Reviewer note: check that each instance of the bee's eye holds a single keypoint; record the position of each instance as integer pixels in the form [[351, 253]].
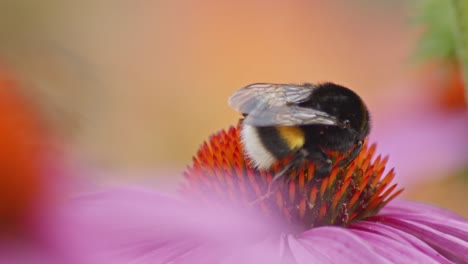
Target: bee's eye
[[345, 124]]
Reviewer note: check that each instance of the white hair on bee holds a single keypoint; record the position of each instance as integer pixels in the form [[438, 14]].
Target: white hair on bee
[[255, 149]]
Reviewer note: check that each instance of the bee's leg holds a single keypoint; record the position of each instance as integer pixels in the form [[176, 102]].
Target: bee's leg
[[297, 159], [325, 164], [323, 170], [352, 155]]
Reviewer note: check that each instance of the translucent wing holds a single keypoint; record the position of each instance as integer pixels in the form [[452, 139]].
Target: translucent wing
[[277, 105], [261, 96], [288, 116]]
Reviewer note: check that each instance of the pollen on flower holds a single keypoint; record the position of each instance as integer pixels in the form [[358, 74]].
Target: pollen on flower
[[349, 193]]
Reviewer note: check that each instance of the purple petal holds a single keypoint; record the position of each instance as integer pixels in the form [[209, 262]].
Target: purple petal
[[443, 231], [404, 238], [332, 245], [395, 251], [143, 226], [449, 245], [405, 208], [411, 137], [344, 245], [271, 251]]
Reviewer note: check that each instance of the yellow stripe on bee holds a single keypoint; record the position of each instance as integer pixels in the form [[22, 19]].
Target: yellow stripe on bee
[[293, 136]]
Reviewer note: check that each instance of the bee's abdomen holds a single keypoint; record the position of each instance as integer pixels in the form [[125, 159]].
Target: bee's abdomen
[[265, 145], [281, 141], [293, 136], [255, 148]]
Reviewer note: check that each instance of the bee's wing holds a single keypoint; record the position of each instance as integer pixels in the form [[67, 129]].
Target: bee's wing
[[276, 105], [288, 116], [262, 96]]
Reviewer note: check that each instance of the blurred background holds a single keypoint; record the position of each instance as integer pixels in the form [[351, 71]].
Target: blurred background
[[132, 88]]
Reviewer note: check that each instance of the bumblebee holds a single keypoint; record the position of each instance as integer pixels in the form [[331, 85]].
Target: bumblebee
[[301, 121]]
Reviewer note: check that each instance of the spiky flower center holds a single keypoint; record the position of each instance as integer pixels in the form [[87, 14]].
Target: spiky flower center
[[348, 194]]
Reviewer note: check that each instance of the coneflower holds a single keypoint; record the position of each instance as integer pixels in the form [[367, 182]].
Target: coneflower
[[227, 215], [348, 194]]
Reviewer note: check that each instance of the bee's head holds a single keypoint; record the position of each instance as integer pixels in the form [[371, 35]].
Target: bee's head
[[344, 124], [340, 102]]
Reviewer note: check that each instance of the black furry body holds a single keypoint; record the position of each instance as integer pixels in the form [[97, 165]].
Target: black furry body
[[354, 125]]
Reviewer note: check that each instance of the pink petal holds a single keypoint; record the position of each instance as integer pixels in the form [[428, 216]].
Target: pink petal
[[332, 245], [147, 227], [441, 230], [405, 208], [142, 226], [406, 240], [422, 143]]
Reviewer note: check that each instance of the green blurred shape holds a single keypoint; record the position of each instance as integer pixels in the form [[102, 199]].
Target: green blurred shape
[[460, 14], [446, 32], [438, 40]]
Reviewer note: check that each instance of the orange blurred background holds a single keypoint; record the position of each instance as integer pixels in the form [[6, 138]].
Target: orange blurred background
[[140, 84], [144, 82]]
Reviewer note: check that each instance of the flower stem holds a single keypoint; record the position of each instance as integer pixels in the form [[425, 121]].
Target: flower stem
[[460, 11]]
